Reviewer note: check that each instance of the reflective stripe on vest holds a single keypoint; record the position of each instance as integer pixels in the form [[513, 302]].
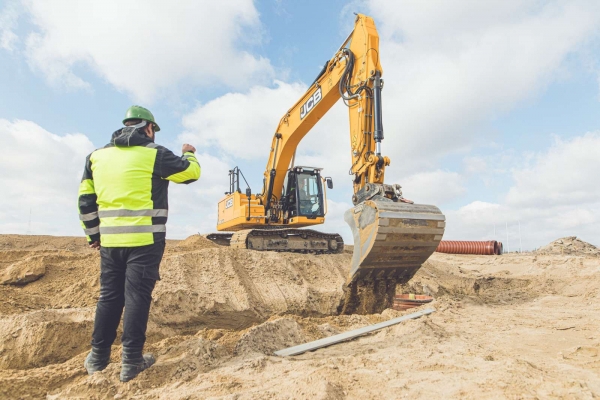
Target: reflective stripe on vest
[[160, 212], [107, 230], [88, 217], [92, 231]]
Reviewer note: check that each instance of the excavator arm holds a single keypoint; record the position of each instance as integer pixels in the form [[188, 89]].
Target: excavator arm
[[353, 74]]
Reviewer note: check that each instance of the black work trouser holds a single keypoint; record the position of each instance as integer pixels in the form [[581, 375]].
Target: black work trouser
[[127, 278]]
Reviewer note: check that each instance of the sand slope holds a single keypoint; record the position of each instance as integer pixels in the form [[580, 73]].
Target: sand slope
[[516, 326]]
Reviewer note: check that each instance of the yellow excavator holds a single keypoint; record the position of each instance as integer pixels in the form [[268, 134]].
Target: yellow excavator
[[392, 236]]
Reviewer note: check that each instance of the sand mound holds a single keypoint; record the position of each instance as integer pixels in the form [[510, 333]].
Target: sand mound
[[43, 337], [233, 289], [35, 242], [195, 242], [179, 359], [24, 271], [270, 336], [71, 279], [569, 245]]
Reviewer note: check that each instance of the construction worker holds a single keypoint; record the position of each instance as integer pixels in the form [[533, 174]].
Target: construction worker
[[123, 209], [306, 200], [305, 203]]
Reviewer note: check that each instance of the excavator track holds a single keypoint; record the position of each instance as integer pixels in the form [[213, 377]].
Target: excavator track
[[392, 239], [288, 240]]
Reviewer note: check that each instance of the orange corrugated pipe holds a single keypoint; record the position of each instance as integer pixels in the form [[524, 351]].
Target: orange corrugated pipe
[[489, 247]]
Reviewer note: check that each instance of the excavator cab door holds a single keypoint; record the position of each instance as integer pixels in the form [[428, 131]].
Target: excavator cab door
[[304, 193]]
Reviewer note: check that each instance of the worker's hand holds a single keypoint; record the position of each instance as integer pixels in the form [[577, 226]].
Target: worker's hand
[[95, 245], [188, 147]]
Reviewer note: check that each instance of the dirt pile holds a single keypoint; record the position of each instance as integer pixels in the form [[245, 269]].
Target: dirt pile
[[43, 337], [71, 279], [270, 336], [194, 242], [40, 242], [232, 289], [24, 271], [518, 325], [569, 245]]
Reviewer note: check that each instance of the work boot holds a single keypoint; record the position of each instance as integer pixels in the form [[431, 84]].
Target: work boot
[[97, 359], [134, 363]]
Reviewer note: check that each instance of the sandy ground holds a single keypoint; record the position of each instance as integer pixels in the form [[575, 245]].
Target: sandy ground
[[511, 326]]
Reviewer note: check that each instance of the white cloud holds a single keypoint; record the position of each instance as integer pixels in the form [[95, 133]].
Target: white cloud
[[193, 207], [241, 125], [474, 165], [566, 174], [8, 22], [532, 226], [556, 196], [434, 187], [41, 172], [150, 48], [450, 69]]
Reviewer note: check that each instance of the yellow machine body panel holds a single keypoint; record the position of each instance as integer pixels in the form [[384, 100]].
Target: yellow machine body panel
[[234, 215]]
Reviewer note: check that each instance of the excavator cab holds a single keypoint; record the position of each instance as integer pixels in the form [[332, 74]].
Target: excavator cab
[[303, 194]]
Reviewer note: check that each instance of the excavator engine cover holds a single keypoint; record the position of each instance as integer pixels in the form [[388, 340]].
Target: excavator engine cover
[[392, 239]]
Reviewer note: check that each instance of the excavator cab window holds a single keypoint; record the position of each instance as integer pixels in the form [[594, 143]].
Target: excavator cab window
[[304, 193]]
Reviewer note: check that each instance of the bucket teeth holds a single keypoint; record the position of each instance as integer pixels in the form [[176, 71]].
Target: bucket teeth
[[392, 240]]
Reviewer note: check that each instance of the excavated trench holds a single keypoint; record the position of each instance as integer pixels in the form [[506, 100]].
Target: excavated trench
[[440, 281]]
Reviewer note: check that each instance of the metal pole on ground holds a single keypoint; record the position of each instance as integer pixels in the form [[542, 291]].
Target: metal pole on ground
[[317, 344]]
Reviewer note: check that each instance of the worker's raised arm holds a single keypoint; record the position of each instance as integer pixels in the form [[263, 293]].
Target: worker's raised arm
[[184, 169], [88, 208]]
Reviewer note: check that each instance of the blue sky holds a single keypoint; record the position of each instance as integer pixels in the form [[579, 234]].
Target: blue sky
[[290, 40], [490, 111]]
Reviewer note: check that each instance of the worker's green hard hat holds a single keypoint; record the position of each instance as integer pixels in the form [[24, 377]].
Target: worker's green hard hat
[[137, 112]]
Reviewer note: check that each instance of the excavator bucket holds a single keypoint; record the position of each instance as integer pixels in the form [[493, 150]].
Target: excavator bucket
[[392, 239]]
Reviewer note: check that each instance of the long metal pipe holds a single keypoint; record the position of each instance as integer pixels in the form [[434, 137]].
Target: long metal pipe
[[489, 247]]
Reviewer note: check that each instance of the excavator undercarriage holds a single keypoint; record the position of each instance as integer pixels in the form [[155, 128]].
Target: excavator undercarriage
[[281, 239]]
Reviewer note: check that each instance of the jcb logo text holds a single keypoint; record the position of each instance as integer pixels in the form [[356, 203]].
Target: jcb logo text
[[310, 103]]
